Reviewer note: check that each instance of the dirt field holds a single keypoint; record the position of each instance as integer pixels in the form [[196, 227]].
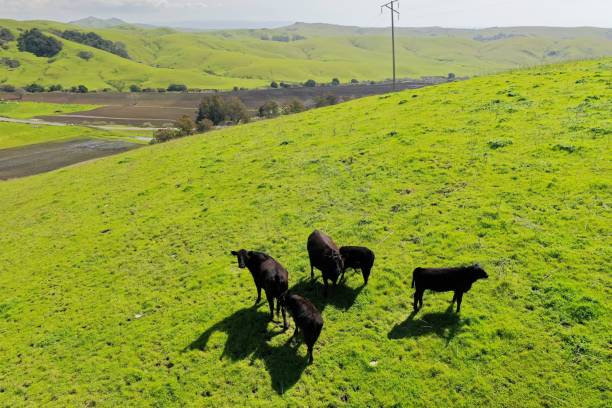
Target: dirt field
[[161, 109], [40, 158]]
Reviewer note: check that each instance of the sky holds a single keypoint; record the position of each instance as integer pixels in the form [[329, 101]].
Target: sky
[[414, 13]]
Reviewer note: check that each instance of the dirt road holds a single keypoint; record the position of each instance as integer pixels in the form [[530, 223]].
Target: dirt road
[[40, 158]]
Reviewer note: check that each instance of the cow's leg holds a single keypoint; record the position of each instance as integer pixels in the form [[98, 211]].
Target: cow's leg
[[418, 299], [258, 295], [454, 297], [325, 286], [278, 307], [271, 303], [311, 270], [366, 275], [285, 325], [295, 332], [310, 358], [459, 299]]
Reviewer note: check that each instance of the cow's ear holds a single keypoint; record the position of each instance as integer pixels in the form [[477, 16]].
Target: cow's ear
[[234, 253]]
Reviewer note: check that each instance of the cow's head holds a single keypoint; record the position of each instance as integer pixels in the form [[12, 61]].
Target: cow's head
[[242, 256], [479, 272], [338, 263]]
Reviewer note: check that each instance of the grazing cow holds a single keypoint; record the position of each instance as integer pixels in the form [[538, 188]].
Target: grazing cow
[[325, 256], [358, 258], [307, 319], [267, 274], [458, 280]]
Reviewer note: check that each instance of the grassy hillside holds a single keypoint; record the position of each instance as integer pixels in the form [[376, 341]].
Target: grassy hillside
[[224, 59], [118, 287], [25, 110], [16, 134]]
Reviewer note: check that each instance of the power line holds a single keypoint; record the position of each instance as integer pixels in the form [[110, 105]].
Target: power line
[[392, 6]]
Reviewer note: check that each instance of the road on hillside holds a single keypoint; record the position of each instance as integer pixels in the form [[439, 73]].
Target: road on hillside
[[40, 158]]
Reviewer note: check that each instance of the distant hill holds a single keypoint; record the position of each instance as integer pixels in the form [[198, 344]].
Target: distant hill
[[94, 22], [223, 59]]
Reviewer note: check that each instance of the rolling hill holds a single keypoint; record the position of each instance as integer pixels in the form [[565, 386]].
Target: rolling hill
[[119, 289], [253, 58]]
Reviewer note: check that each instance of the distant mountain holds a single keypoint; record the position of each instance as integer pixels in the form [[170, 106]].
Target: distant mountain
[[94, 22], [224, 25]]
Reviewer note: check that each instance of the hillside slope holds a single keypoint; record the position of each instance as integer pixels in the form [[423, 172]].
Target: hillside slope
[[251, 58], [118, 287]]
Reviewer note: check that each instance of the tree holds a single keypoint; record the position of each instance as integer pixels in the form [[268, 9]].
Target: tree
[[269, 109], [284, 85], [295, 106], [32, 88], [164, 135], [55, 88], [35, 42], [185, 125], [79, 89], [274, 85], [86, 55], [211, 108], [335, 82], [311, 83], [177, 88], [6, 35], [236, 111], [135, 88], [205, 125], [451, 76], [7, 88], [94, 40], [354, 81]]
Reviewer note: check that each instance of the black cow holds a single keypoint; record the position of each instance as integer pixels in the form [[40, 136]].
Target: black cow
[[458, 280], [325, 256], [307, 319], [358, 258], [267, 274]]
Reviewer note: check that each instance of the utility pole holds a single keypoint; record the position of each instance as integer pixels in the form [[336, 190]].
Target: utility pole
[[391, 6]]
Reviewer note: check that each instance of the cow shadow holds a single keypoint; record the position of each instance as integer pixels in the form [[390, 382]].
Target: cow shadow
[[340, 296], [247, 338], [445, 325]]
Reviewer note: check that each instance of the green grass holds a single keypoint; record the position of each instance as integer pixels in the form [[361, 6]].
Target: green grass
[[111, 270], [17, 134], [224, 59], [26, 110]]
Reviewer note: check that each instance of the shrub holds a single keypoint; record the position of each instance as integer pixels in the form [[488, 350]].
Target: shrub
[[185, 125], [7, 88], [79, 89], [55, 88], [269, 109], [354, 81], [274, 85], [335, 82], [451, 76], [498, 144], [161, 90], [311, 83], [10, 63], [86, 55], [284, 85], [326, 100], [295, 106], [164, 135], [135, 88], [94, 40], [6, 35], [37, 43], [177, 88], [32, 88], [205, 125]]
